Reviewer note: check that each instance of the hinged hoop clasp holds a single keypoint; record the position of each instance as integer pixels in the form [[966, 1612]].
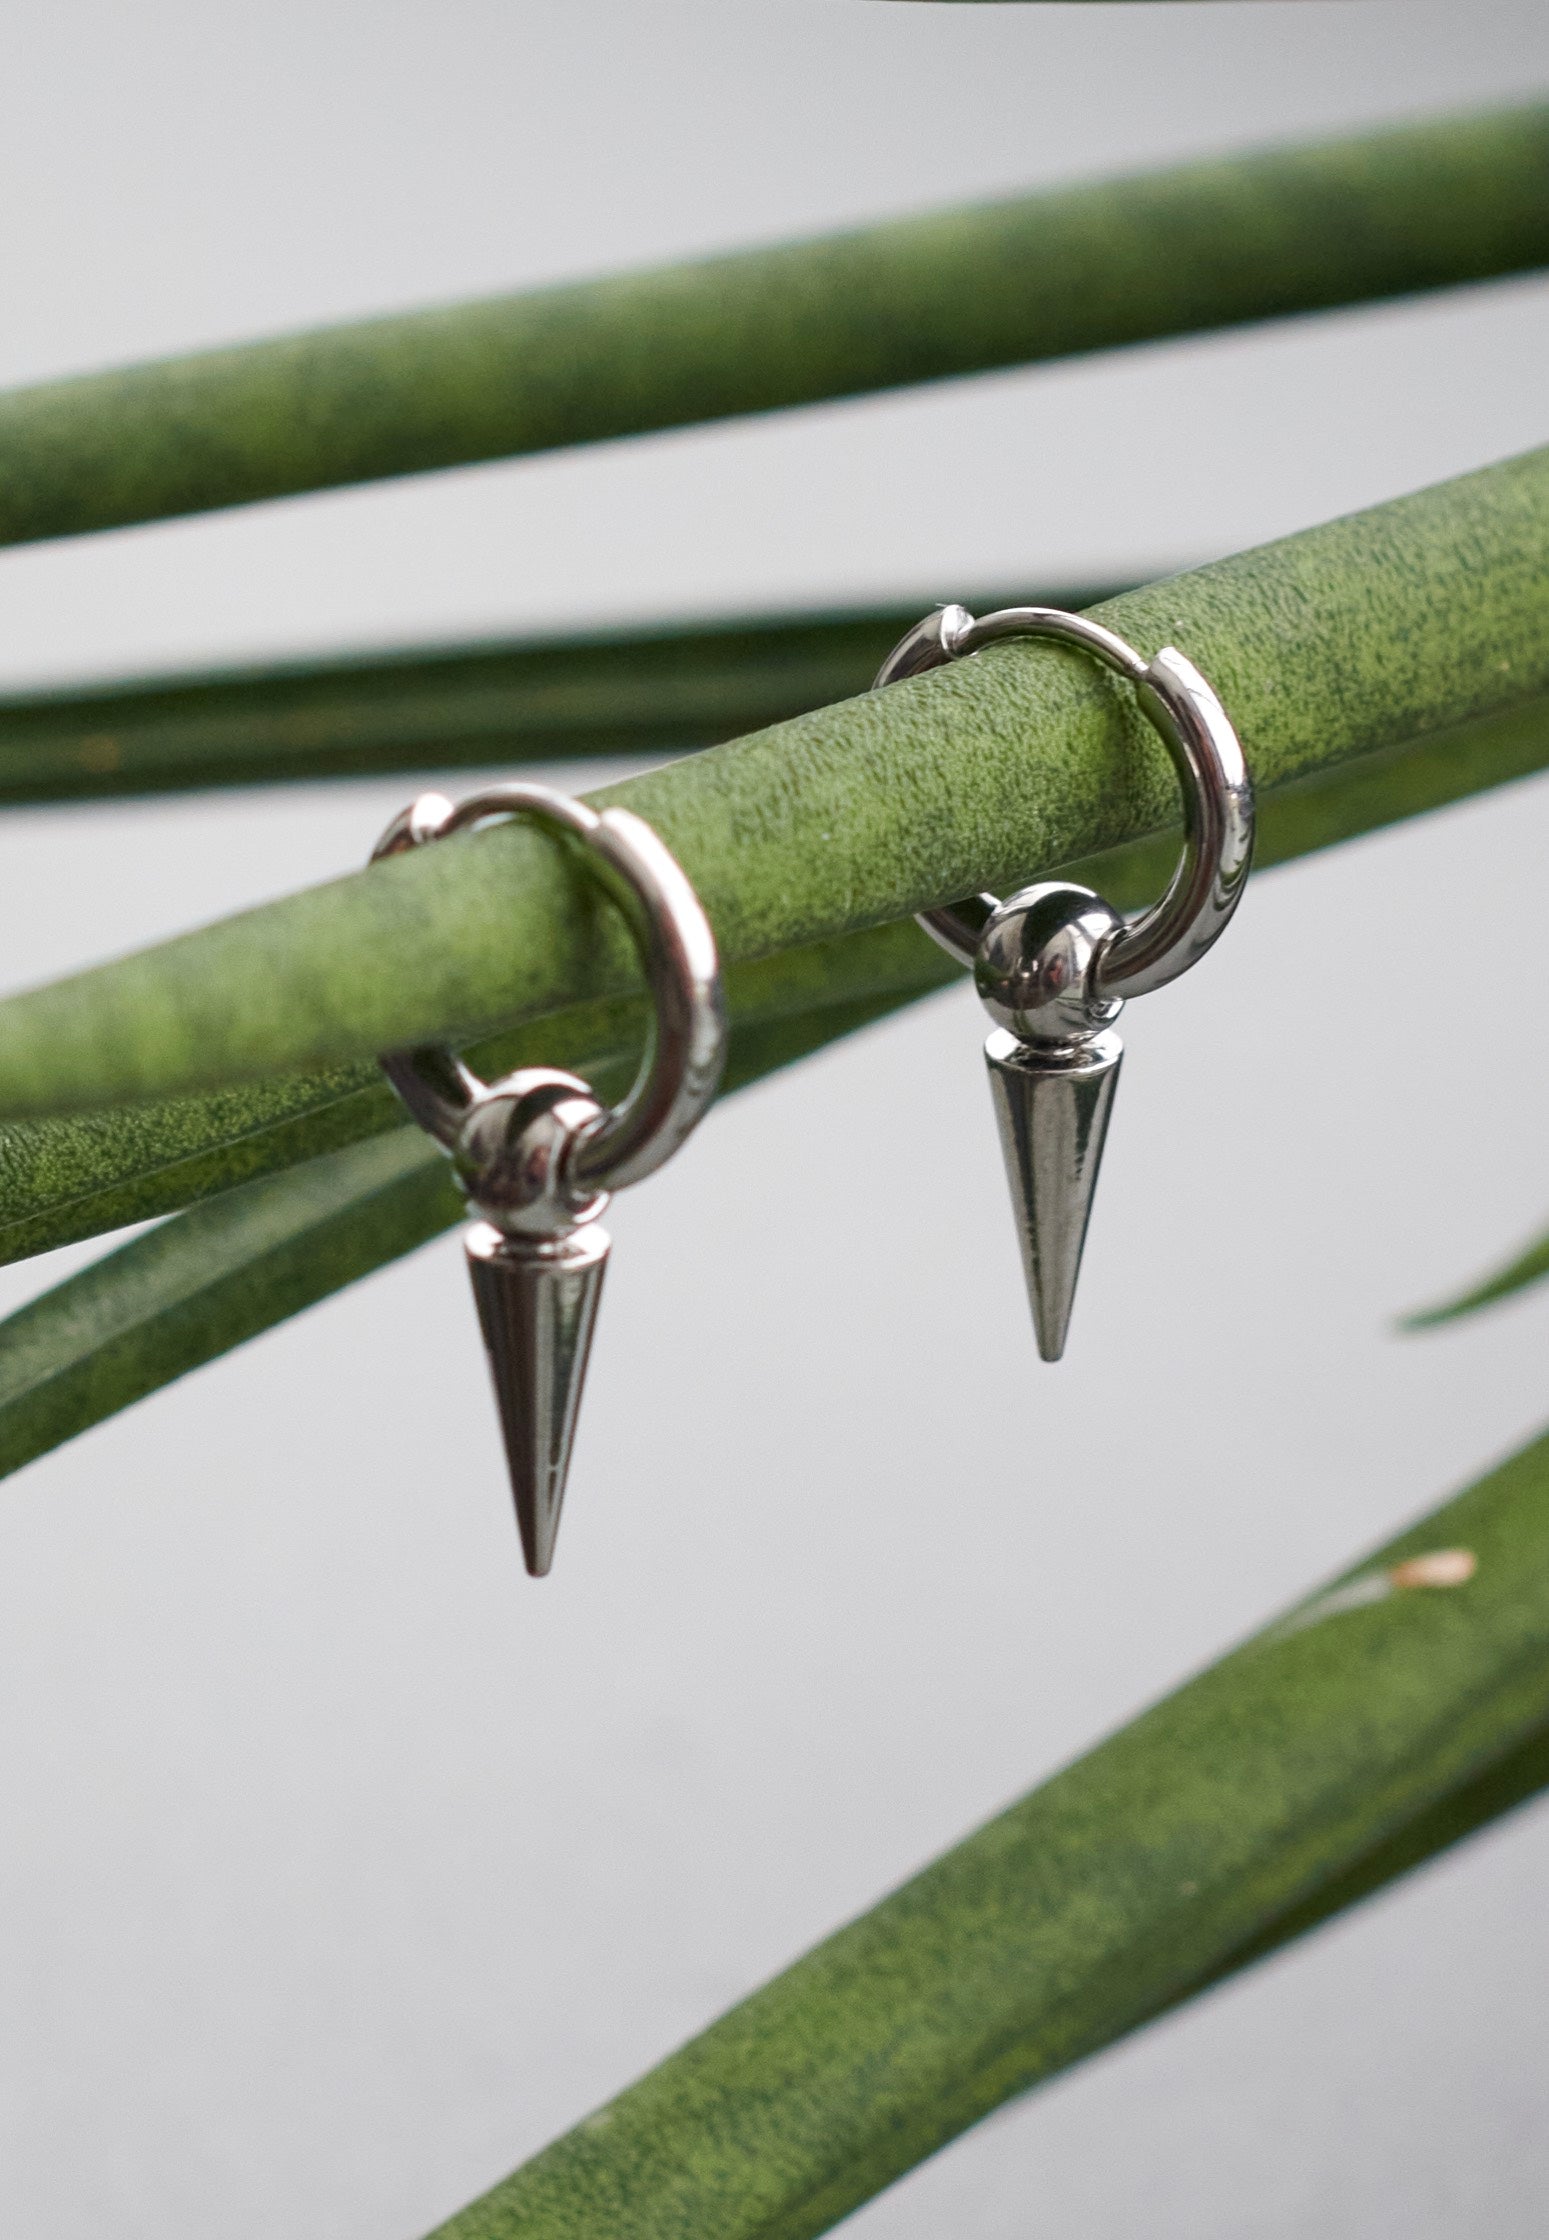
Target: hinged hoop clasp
[[1217, 793]]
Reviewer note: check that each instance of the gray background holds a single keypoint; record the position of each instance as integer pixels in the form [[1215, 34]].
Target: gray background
[[341, 1866]]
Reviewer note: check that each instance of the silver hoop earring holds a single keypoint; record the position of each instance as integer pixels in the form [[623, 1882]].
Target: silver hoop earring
[[1054, 963], [537, 1155]]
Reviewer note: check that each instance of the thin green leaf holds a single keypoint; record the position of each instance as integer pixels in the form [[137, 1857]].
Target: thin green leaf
[[1411, 618], [1065, 270], [638, 694], [1375, 1725], [1527, 1268]]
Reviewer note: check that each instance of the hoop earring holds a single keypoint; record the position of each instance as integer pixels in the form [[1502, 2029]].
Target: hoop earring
[[1054, 963], [537, 1155]]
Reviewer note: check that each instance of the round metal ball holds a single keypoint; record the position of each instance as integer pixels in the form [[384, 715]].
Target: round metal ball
[[1035, 968], [513, 1148]]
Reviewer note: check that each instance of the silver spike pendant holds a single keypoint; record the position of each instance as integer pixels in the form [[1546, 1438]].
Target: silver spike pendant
[[537, 1154], [537, 1307], [1054, 1066], [1054, 963], [537, 1259], [1052, 1113]]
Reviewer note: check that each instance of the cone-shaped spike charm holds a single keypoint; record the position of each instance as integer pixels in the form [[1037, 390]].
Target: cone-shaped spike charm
[[1055, 964], [536, 1154], [1052, 1112], [1053, 1070], [537, 1302]]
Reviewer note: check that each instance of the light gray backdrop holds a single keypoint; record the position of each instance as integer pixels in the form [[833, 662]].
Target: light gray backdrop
[[342, 1866]]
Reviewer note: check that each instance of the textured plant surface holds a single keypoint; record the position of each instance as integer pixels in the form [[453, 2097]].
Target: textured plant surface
[[172, 1301], [637, 694], [960, 291], [1401, 621], [1377, 667], [1363, 1732]]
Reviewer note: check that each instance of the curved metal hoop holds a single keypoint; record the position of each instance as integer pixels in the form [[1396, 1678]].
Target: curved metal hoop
[[682, 1067], [1217, 792]]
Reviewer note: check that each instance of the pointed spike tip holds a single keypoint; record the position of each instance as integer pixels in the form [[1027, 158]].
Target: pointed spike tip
[[537, 1307], [1052, 1111]]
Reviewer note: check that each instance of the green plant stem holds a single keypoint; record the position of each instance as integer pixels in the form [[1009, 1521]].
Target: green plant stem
[[172, 1300], [1506, 1783], [638, 693], [1283, 1788], [1288, 1771], [1389, 787], [65, 1179], [1042, 276], [1213, 1826], [1405, 620], [152, 1311], [207, 1281], [1520, 1273]]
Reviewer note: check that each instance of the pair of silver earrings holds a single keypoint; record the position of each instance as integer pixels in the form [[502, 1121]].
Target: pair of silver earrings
[[537, 1155]]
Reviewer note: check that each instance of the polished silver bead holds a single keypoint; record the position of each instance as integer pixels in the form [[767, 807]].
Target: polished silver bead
[[513, 1151], [1036, 966]]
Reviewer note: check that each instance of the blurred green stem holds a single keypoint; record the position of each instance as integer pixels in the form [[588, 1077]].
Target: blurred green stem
[[636, 693], [960, 291], [1330, 1752], [1520, 1273]]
